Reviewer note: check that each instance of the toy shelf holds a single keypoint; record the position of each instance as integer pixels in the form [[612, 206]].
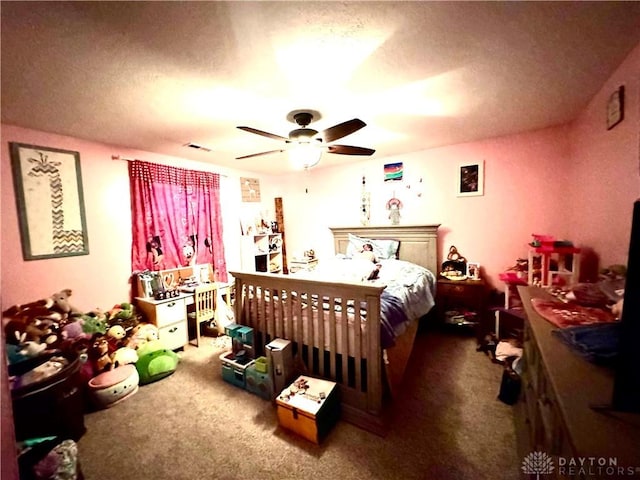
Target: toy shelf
[[566, 259]]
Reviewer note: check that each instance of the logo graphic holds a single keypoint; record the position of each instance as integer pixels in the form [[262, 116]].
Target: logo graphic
[[537, 463]]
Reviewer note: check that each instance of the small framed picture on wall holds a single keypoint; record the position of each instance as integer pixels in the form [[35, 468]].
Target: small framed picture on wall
[[615, 108], [470, 179]]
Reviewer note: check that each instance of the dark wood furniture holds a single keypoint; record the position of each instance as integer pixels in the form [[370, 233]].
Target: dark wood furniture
[[559, 391], [461, 296]]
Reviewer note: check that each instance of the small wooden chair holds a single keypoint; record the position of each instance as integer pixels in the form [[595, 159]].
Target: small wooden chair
[[204, 300]]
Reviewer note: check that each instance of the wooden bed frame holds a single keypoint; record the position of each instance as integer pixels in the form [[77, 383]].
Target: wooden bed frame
[[346, 352]]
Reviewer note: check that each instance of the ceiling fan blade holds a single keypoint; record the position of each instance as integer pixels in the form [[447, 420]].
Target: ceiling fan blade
[[264, 134], [349, 150], [259, 154], [342, 129]]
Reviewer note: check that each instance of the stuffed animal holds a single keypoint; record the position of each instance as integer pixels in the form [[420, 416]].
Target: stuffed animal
[[155, 361], [94, 322], [15, 328], [124, 356], [99, 354], [141, 334], [61, 303], [124, 315], [367, 253], [115, 337]]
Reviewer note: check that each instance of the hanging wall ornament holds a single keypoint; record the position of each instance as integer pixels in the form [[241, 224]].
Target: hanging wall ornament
[[365, 204], [394, 205]]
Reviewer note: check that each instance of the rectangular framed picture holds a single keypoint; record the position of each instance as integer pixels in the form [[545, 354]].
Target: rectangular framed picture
[[393, 172], [470, 179], [615, 108], [50, 201], [473, 271]]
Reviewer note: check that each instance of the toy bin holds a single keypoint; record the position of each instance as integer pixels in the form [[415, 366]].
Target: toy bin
[[232, 330], [311, 411], [52, 405], [262, 365], [258, 382], [234, 372]]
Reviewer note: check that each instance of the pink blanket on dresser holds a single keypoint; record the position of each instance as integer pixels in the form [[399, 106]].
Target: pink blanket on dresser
[[564, 315]]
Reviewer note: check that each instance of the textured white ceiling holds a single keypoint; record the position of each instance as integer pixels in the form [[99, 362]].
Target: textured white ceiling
[[157, 75]]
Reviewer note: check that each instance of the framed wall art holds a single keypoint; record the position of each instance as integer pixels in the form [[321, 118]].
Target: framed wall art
[[50, 201], [470, 179], [393, 172], [250, 188], [615, 108]]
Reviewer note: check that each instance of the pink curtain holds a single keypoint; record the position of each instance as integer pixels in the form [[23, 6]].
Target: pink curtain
[[176, 218]]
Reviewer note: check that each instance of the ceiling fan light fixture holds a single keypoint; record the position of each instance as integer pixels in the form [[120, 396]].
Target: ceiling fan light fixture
[[303, 155]]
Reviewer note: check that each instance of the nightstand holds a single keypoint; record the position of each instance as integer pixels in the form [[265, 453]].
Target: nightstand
[[461, 296]]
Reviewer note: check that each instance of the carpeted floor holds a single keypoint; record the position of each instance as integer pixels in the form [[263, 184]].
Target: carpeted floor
[[447, 424]]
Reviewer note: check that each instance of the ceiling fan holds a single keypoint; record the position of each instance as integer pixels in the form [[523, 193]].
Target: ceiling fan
[[305, 145]]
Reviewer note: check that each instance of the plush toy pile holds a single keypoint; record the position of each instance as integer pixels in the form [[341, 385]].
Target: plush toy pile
[[117, 350]]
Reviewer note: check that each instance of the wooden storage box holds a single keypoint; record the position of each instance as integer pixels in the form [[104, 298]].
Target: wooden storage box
[[309, 412]]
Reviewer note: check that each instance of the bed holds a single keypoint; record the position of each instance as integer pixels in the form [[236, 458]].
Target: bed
[[329, 320]]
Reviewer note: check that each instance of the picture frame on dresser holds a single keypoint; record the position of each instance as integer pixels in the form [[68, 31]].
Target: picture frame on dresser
[[473, 271]]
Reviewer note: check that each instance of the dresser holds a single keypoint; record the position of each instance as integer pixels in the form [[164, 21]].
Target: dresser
[[559, 392], [170, 316]]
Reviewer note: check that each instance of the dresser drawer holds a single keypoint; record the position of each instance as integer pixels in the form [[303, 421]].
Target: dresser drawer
[[174, 336], [171, 311], [453, 290]]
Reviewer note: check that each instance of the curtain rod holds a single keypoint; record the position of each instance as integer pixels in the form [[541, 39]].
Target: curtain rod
[[118, 157]]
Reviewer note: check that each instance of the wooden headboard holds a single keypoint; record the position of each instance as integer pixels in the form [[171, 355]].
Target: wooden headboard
[[418, 243]]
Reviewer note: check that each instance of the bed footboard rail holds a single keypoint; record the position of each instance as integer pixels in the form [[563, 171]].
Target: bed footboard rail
[[329, 324]]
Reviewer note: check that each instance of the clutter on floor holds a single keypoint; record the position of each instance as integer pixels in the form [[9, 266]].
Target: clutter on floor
[[63, 362], [309, 407], [585, 314], [241, 368]]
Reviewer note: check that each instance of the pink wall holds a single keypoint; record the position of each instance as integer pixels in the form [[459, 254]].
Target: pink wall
[[524, 191], [576, 182], [605, 175], [100, 279], [553, 181]]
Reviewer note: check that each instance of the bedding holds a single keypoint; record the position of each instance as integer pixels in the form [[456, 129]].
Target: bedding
[[384, 249], [408, 295], [338, 345]]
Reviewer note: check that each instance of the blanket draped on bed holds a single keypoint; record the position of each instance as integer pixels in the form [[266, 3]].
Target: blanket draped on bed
[[408, 295]]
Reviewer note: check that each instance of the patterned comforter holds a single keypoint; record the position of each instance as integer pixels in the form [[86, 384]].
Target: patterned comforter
[[408, 295]]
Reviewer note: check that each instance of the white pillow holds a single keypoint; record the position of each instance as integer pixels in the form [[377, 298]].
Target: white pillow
[[384, 249]]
